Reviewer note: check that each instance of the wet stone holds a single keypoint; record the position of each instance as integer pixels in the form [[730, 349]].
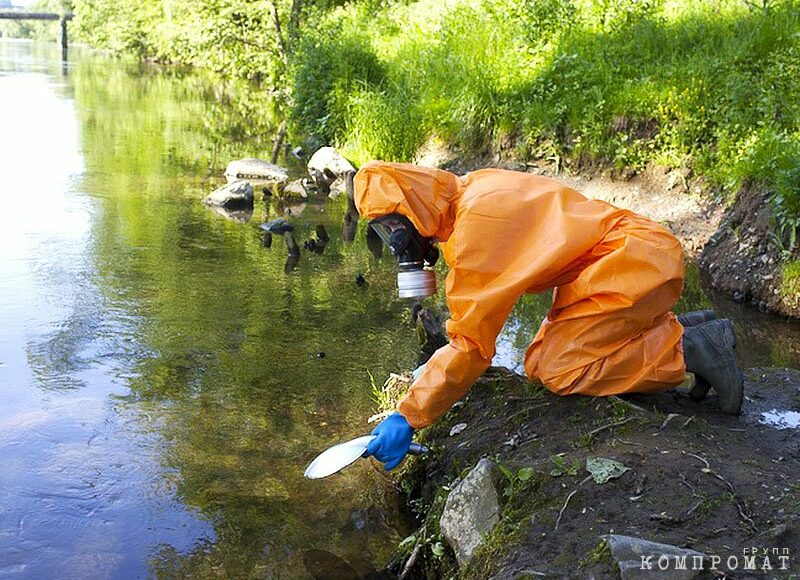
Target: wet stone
[[277, 226], [236, 195], [256, 170]]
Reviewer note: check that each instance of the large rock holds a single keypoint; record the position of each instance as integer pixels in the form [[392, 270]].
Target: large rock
[[640, 559], [236, 195], [256, 171], [329, 160], [329, 170], [470, 512]]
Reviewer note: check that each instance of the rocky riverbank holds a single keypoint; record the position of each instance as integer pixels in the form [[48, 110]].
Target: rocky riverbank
[[686, 477]]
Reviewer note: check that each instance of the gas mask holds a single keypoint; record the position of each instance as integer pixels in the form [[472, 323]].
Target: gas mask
[[415, 255]]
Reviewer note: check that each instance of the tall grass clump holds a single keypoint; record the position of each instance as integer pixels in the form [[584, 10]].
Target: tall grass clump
[[331, 67]]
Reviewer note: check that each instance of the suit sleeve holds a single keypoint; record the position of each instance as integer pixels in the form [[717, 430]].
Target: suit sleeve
[[479, 305]]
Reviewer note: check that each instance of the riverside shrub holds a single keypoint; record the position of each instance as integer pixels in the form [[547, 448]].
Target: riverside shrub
[[711, 85]]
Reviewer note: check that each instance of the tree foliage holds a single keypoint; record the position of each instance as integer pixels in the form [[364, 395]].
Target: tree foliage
[[707, 84]]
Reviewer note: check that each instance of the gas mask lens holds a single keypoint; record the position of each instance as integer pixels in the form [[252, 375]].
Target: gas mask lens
[[415, 255]]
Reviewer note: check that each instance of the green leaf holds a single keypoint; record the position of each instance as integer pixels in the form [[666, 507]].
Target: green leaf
[[410, 540], [604, 469], [525, 473]]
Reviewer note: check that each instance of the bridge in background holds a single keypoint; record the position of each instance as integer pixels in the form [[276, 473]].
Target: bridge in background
[[25, 15]]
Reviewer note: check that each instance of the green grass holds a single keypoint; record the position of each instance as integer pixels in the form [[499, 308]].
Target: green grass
[[790, 283], [706, 84], [709, 85]]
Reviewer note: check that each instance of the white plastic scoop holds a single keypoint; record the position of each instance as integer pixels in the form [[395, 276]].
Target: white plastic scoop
[[340, 456]]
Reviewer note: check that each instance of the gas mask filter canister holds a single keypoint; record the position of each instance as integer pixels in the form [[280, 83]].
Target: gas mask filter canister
[[415, 255]]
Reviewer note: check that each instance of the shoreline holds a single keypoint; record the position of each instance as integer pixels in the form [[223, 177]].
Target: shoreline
[[695, 480]]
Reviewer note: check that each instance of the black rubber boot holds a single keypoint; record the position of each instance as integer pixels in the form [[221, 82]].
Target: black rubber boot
[[696, 317], [708, 351], [701, 387]]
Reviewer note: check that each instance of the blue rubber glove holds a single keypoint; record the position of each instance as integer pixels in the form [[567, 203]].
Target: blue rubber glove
[[393, 439]]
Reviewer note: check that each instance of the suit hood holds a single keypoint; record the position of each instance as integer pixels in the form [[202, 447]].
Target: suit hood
[[425, 196]]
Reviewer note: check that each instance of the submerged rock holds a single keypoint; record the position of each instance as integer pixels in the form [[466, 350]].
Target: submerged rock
[[470, 512], [322, 234], [277, 226], [256, 170], [430, 332], [293, 253], [236, 195], [643, 559], [324, 565]]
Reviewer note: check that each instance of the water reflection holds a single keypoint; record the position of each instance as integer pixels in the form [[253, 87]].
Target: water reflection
[[188, 395]]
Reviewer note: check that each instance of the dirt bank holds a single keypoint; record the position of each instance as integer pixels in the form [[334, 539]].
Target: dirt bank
[[743, 258], [696, 478]]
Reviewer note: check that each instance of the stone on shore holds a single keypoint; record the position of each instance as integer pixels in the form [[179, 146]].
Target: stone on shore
[[470, 512], [640, 559], [329, 170], [256, 171], [236, 195]]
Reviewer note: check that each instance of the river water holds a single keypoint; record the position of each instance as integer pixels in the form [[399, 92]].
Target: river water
[[165, 379]]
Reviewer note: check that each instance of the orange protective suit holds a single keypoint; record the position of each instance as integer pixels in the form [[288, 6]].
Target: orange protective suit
[[616, 277]]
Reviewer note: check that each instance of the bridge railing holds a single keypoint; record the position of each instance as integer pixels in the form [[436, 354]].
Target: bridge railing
[[25, 15]]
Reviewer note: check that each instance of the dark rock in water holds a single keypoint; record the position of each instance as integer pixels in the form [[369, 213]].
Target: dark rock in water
[[236, 195], [360, 280], [291, 245], [430, 332], [267, 240], [291, 263], [315, 246], [294, 253], [322, 235], [277, 226], [323, 565]]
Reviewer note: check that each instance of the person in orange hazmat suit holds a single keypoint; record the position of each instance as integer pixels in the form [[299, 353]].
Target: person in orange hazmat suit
[[615, 276]]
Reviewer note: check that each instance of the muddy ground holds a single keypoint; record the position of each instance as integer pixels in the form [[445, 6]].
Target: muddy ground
[[697, 478]]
